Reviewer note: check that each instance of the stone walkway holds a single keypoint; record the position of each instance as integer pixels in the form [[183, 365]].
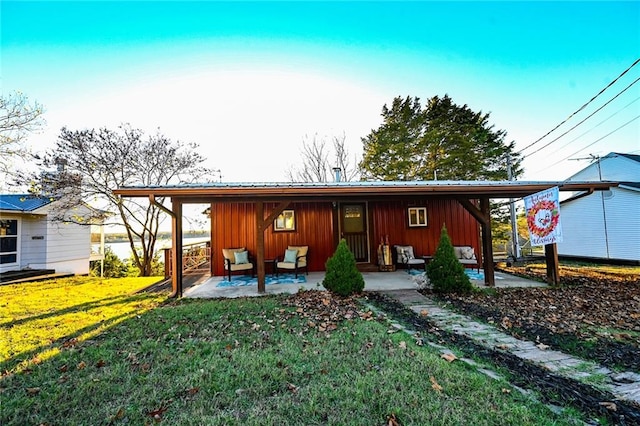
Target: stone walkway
[[624, 386]]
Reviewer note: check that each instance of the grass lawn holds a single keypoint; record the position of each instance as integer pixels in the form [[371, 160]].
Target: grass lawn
[[242, 361]]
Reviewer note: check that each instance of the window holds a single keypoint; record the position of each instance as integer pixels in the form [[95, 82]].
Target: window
[[8, 241], [285, 222], [417, 216]]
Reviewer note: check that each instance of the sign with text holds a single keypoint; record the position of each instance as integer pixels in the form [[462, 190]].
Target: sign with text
[[543, 217]]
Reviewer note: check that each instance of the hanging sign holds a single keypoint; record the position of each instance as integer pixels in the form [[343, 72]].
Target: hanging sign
[[543, 217]]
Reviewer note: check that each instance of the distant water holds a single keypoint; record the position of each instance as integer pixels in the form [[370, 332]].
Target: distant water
[[123, 250]]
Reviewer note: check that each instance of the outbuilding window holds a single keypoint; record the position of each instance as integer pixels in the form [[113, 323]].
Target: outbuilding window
[[8, 241], [417, 216]]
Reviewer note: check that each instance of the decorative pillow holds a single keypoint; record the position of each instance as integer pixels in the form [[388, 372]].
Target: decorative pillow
[[230, 253], [405, 253], [467, 253], [241, 257], [302, 250], [290, 256], [458, 251]]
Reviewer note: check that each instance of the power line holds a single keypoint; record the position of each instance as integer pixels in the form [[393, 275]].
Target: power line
[[581, 108], [591, 144], [594, 127], [585, 119]]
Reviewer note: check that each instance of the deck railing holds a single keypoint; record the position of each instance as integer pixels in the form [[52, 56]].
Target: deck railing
[[195, 256]]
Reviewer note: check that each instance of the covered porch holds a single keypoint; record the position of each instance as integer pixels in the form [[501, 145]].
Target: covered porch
[[473, 196], [374, 281]]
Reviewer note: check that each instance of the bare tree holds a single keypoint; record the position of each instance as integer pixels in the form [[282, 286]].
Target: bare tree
[[316, 166], [92, 163], [18, 118]]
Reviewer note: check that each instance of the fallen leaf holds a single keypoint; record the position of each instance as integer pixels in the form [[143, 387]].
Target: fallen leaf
[[100, 363], [117, 416], [435, 385], [293, 388], [609, 405], [392, 420], [192, 391], [542, 346], [505, 390], [157, 413], [63, 369], [424, 313], [449, 356], [81, 365], [402, 345], [33, 391]]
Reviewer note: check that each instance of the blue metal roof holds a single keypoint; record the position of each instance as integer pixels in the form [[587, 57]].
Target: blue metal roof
[[22, 202]]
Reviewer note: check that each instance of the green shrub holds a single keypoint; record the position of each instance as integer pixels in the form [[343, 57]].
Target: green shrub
[[114, 267], [445, 272], [342, 276]]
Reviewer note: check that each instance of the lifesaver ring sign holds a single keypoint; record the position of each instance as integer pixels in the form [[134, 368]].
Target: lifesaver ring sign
[[543, 217]]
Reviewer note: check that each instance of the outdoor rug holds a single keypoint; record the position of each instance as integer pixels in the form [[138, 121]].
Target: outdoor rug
[[471, 273], [246, 280]]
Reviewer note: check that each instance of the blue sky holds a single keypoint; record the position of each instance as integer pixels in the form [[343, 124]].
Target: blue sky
[[248, 80]]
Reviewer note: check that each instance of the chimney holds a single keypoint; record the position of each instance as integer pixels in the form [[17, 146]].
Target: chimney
[[337, 171]]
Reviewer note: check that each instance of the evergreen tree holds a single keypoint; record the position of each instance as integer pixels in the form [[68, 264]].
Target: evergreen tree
[[445, 272], [444, 141], [342, 276]]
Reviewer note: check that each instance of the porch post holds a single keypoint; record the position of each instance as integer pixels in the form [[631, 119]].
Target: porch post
[[211, 233], [487, 244], [483, 216], [176, 236], [553, 269], [260, 245]]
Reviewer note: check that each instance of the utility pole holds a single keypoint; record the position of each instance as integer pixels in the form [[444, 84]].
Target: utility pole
[[514, 224]]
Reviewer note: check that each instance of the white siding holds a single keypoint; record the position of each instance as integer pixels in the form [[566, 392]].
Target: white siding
[[583, 228], [33, 249], [68, 247], [616, 168], [623, 224]]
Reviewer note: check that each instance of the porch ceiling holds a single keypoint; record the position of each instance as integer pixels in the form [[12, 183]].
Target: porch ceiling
[[208, 192]]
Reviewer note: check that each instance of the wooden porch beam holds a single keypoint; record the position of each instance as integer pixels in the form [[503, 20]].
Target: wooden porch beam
[[487, 244], [553, 268], [474, 211], [262, 224], [260, 246], [274, 214], [176, 242]]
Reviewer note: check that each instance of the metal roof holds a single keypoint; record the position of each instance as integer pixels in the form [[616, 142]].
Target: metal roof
[[22, 202], [205, 192]]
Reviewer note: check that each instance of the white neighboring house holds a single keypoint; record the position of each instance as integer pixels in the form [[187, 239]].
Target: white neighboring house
[[605, 224], [30, 240]]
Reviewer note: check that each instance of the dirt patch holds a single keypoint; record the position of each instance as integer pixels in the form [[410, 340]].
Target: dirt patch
[[595, 316]]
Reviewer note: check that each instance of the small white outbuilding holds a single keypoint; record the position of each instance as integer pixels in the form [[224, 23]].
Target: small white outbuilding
[[604, 224], [29, 239]]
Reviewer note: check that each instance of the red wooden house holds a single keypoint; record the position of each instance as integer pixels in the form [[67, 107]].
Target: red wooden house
[[363, 224], [319, 214]]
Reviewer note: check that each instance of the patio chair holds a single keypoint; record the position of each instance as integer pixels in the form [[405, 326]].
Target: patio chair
[[406, 258], [237, 260], [294, 259]]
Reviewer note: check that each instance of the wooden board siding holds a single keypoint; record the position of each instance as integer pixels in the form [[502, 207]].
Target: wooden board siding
[[233, 225], [391, 218]]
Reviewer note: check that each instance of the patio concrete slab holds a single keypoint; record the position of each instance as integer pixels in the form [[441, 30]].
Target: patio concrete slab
[[374, 281]]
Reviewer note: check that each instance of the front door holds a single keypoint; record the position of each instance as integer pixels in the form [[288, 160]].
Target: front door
[[353, 228]]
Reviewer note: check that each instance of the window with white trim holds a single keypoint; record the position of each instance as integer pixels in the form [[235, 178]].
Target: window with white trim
[[417, 216], [8, 241]]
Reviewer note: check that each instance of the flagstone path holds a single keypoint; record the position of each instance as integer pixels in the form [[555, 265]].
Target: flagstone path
[[624, 386]]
